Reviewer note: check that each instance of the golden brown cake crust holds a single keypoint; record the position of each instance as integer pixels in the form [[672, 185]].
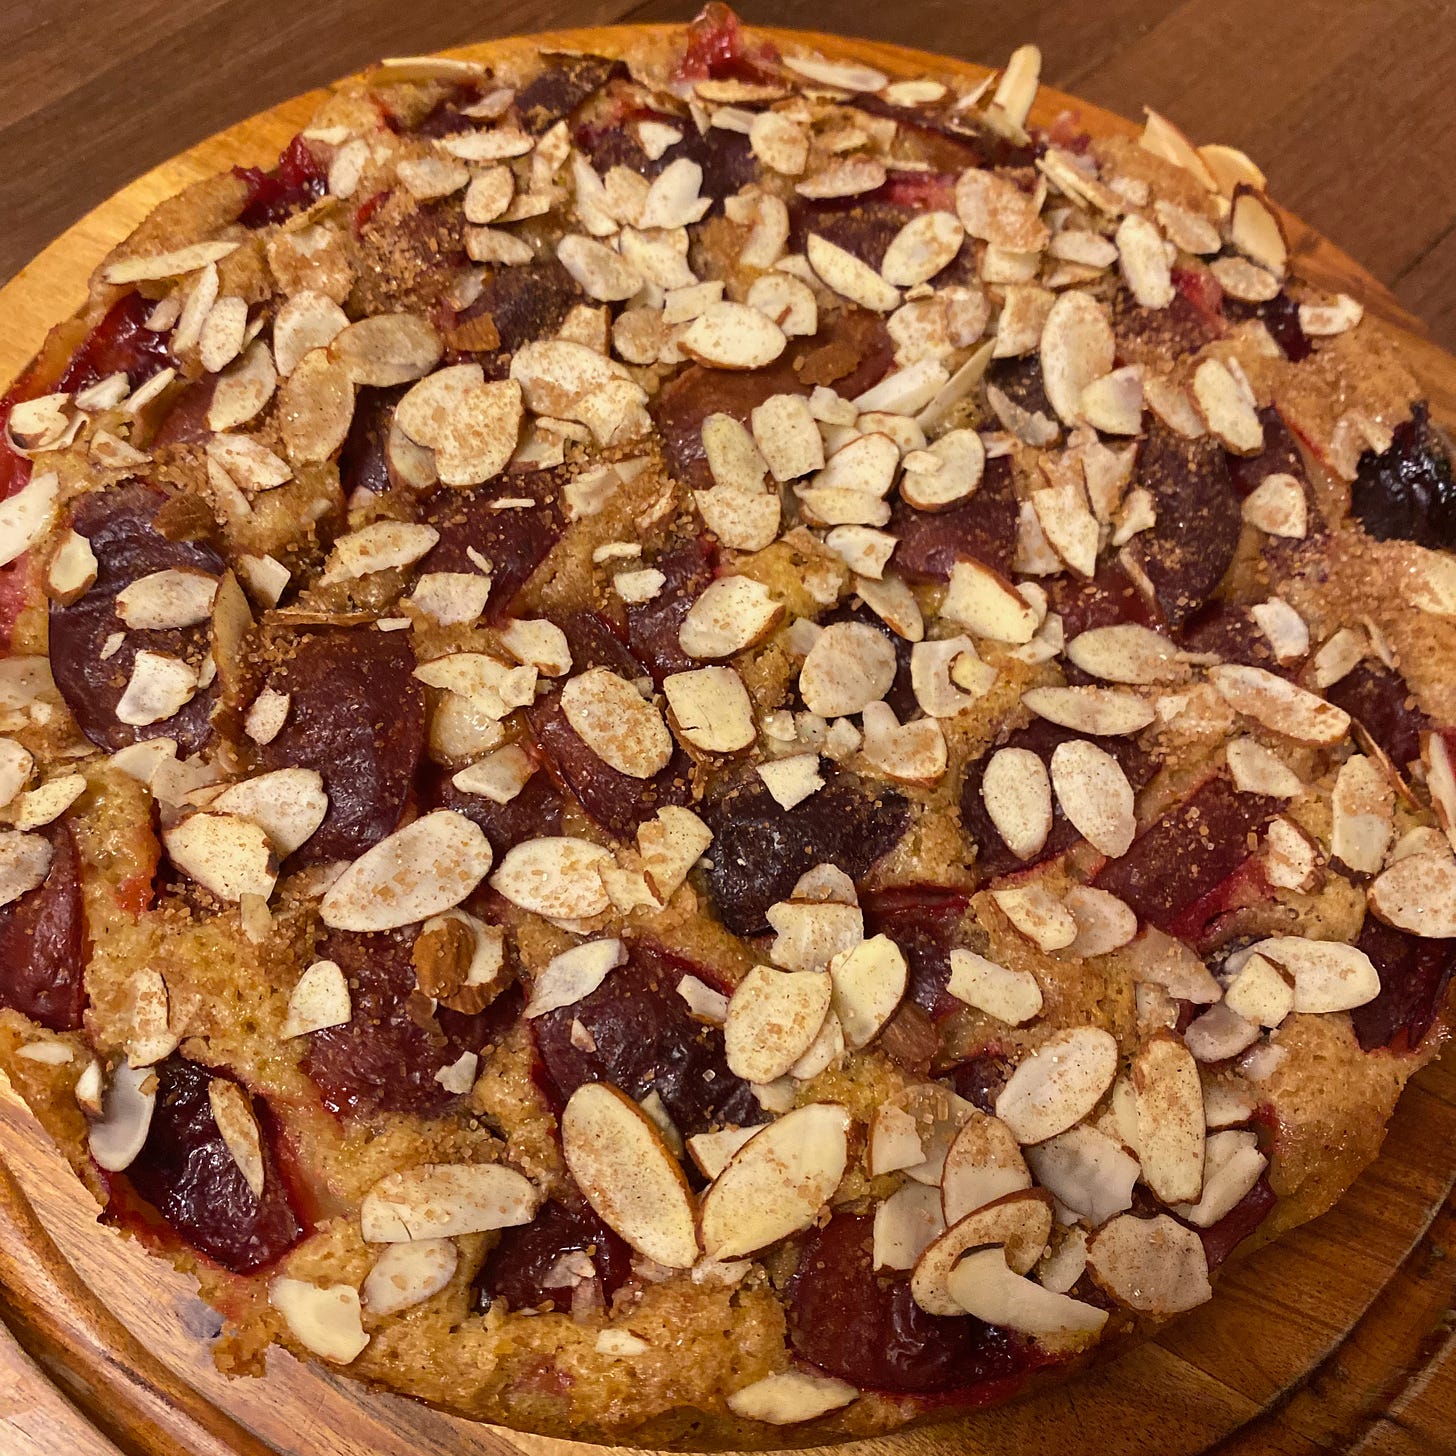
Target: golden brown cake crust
[[668, 710]]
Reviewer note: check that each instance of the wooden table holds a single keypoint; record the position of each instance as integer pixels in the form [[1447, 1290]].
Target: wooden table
[[1347, 106]]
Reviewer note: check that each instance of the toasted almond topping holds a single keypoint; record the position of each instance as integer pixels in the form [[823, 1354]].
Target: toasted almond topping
[[427, 867], [288, 804], [905, 1223], [850, 666], [325, 1320], [1087, 1170], [983, 1285], [913, 1131], [1068, 525], [732, 613], [960, 459], [1256, 231], [1103, 712], [925, 245], [1076, 348], [307, 321], [243, 390], [1038, 915], [628, 1176], [232, 1111], [600, 271], [487, 146], [1154, 1265], [932, 669], [845, 75], [847, 276], [1277, 507], [1009, 995], [72, 571], [26, 516], [1058, 1084], [612, 718], [711, 1151], [1126, 653], [1260, 992], [226, 855], [1324, 320], [387, 349], [790, 1396], [773, 1018], [168, 265], [1279, 704], [25, 859], [318, 1000], [869, 981], [405, 1275], [984, 601], [1227, 408], [785, 432], [1257, 770], [120, 1131], [1095, 795], [1018, 797], [16, 763], [379, 546], [48, 801], [315, 407], [472, 426], [792, 780], [1104, 923], [445, 1200], [1219, 1033], [1018, 1225], [711, 709], [673, 199], [777, 1182], [1144, 262], [1363, 806], [779, 143], [788, 301], [1233, 1164], [982, 1165], [499, 776], [995, 209], [1418, 894], [810, 933], [557, 877], [573, 974], [1169, 1119]]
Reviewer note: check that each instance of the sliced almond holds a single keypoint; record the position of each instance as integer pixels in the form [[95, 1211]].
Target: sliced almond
[[912, 753], [1076, 348], [732, 613], [1418, 894], [1325, 320], [787, 435], [1258, 770], [931, 667], [777, 1182], [925, 245], [1088, 1171], [779, 143], [1018, 797], [983, 1164], [1362, 805], [1019, 1224], [72, 570], [792, 780], [1104, 923], [789, 1397], [232, 1111], [472, 426], [984, 601], [1153, 1265], [1095, 795], [869, 982], [47, 802], [733, 336], [427, 867], [1233, 1164], [1103, 712], [159, 687], [905, 1223], [850, 665], [16, 763], [326, 1320], [1227, 408], [226, 855], [289, 804], [712, 1151], [983, 1285], [1256, 232], [844, 75], [1068, 525], [600, 271], [319, 999], [912, 1132], [1219, 1033], [1009, 995], [1126, 653], [810, 933], [387, 349], [445, 1200], [1169, 1119], [405, 1275], [315, 407], [1038, 915], [846, 275], [1260, 992], [166, 599], [1277, 507], [711, 709], [379, 546], [613, 719], [574, 974], [119, 1131], [1280, 705], [558, 877], [1058, 1084], [1145, 266], [773, 1017], [995, 209]]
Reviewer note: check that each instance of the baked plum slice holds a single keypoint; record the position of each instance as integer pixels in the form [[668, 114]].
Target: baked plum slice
[[983, 529], [1280, 315], [186, 1173], [1408, 493], [1378, 699], [653, 626], [1020, 380], [993, 858], [863, 1325], [1187, 552], [385, 1057], [616, 801], [119, 525], [563, 83], [364, 459], [119, 343], [298, 180], [1280, 455], [979, 1079], [526, 302], [515, 540], [43, 943], [527, 1269], [1108, 598], [760, 848], [718, 48], [357, 715], [643, 1038], [535, 811], [1187, 853], [925, 922], [1414, 976], [1222, 1238], [1151, 335]]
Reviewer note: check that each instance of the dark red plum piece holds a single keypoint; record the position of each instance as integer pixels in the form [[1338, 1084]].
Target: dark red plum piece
[[616, 801], [1109, 598], [979, 1079], [1148, 335], [864, 227], [535, 811], [525, 303], [1409, 492], [864, 1326], [1187, 552], [515, 541], [185, 422], [925, 922], [120, 343], [653, 626], [1222, 1238], [43, 943], [364, 459], [646, 1040], [560, 87], [518, 1269], [993, 858], [718, 48], [357, 715], [1377, 697], [983, 529], [1234, 633], [726, 157], [186, 1173], [1021, 382], [853, 338], [596, 640], [298, 180], [1201, 289], [118, 524], [1280, 456], [1213, 920], [385, 1057], [1188, 852], [1280, 315], [760, 848], [1414, 976]]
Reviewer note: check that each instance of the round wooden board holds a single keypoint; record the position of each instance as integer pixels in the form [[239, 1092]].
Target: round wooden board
[[1316, 1343]]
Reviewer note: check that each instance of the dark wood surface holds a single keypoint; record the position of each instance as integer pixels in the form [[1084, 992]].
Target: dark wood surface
[[1347, 104]]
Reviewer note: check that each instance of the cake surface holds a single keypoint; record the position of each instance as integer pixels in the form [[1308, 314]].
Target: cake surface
[[705, 748]]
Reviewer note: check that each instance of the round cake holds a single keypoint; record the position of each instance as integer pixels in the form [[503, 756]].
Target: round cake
[[707, 748]]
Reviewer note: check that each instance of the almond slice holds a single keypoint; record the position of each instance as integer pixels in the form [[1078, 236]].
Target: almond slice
[[1363, 806], [427, 867], [1019, 1225], [1169, 1119], [472, 426], [1233, 1164], [1058, 1084], [1258, 770], [786, 433], [1126, 653], [867, 463], [619, 1161], [984, 1286], [773, 1018], [936, 667], [1104, 923], [1076, 348], [846, 75], [777, 1182], [733, 336], [984, 601], [1068, 525], [612, 718], [405, 1275], [558, 877], [912, 753], [1260, 992], [1227, 408], [119, 1133], [792, 780], [1095, 795], [846, 275], [1088, 1171], [850, 665], [960, 459], [789, 1397], [995, 209], [1220, 1033], [674, 199], [445, 1200], [779, 143], [731, 613], [228, 856], [1009, 995], [167, 599], [912, 1132], [1279, 704], [905, 1224], [1277, 507], [1144, 262], [575, 973], [925, 245], [232, 1112], [1113, 404], [326, 1320], [319, 999], [1102, 712], [712, 1151], [869, 981], [160, 686], [1018, 797], [1038, 915], [983, 1164], [1328, 974], [379, 546], [810, 933], [1418, 894], [173, 264], [711, 709], [1154, 1265], [288, 804], [1255, 230], [315, 407]]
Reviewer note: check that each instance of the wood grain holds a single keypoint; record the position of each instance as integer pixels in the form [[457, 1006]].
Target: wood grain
[[1336, 1338]]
